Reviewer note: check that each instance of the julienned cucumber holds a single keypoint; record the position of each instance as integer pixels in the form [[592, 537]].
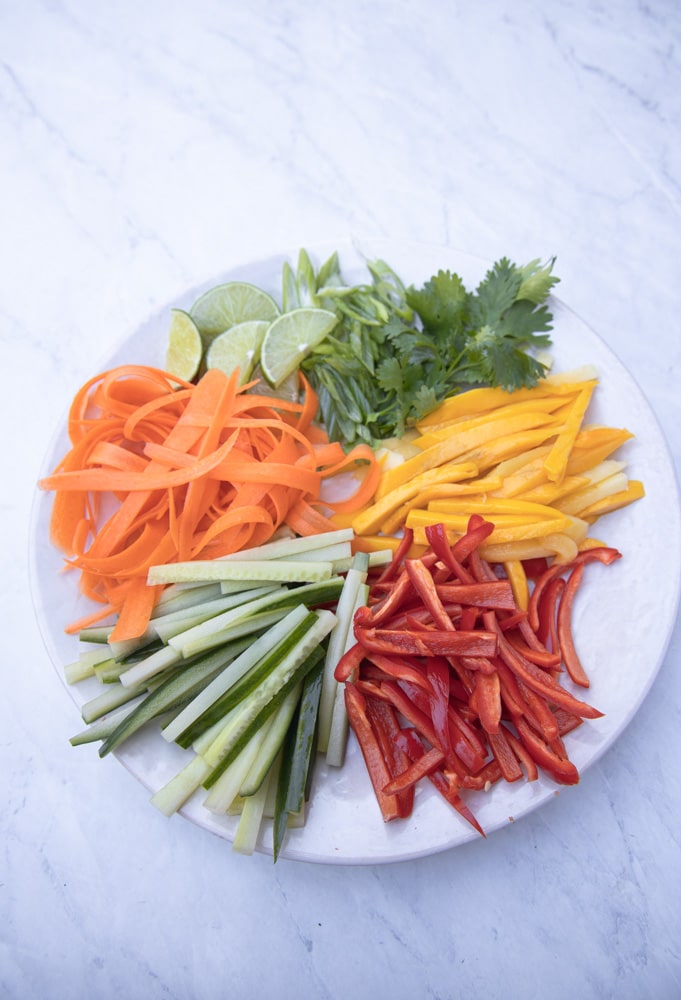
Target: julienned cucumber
[[240, 667], [217, 630], [258, 706], [227, 668], [178, 689]]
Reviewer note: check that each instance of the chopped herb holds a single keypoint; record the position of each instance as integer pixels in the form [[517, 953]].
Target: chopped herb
[[398, 351]]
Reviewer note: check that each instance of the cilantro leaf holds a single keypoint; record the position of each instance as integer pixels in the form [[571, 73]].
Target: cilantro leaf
[[441, 303]]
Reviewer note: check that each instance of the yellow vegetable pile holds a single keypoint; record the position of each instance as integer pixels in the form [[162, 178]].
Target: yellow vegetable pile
[[525, 460]]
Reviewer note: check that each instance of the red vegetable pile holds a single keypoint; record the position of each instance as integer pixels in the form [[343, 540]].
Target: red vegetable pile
[[450, 680]]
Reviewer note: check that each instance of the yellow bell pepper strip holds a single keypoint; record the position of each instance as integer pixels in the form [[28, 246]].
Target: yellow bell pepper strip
[[515, 573]]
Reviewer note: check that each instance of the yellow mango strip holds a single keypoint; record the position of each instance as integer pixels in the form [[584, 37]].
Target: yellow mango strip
[[517, 577], [490, 455], [542, 404], [510, 533], [374, 543], [492, 507], [443, 491], [548, 493], [609, 479], [592, 445], [479, 432], [459, 449], [526, 477], [475, 401], [514, 464], [634, 491], [557, 459], [371, 518]]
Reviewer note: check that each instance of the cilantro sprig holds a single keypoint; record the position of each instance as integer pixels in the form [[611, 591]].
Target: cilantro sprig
[[398, 351]]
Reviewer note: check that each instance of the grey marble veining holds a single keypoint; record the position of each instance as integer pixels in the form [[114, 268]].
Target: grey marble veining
[[145, 148]]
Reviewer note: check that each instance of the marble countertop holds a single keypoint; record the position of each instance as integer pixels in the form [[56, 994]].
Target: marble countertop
[[145, 148]]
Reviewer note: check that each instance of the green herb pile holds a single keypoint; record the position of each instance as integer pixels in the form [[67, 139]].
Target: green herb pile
[[398, 351]]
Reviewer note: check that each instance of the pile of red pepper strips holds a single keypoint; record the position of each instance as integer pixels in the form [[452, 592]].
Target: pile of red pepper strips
[[450, 680]]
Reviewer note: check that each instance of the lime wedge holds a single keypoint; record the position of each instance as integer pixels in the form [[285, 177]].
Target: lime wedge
[[288, 389], [238, 347], [184, 348], [290, 338], [226, 305]]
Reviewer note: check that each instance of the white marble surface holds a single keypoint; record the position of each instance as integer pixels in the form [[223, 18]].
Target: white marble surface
[[144, 149]]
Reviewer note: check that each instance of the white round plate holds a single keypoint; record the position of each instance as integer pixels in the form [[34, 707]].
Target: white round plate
[[635, 597]]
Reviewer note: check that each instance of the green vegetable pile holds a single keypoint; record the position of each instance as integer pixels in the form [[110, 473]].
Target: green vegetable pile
[[398, 351]]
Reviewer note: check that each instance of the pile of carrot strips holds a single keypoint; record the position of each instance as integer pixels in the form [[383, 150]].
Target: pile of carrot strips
[[161, 470]]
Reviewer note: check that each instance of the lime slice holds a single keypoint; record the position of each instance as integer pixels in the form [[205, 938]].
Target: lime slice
[[184, 348], [238, 347], [290, 338], [226, 305]]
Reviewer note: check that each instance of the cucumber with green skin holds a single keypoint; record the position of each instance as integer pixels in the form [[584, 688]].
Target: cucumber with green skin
[[263, 702]]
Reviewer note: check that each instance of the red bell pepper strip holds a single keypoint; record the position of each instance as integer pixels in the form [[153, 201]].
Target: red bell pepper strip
[[386, 727], [547, 629], [414, 714], [376, 765], [562, 771], [496, 594], [437, 679], [400, 553], [539, 715], [503, 753], [477, 531], [525, 759], [418, 769], [601, 554], [566, 721], [349, 662], [541, 657], [486, 700], [424, 585], [481, 570], [426, 643], [447, 789], [539, 680], [436, 536], [398, 670], [570, 656]]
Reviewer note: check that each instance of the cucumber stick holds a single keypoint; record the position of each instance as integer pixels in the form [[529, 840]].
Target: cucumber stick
[[244, 663], [294, 547], [252, 814], [272, 744], [178, 688], [218, 630], [338, 732], [265, 699], [306, 731], [355, 579], [271, 570]]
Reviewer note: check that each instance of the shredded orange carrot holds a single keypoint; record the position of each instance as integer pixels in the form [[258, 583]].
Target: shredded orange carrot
[[160, 470]]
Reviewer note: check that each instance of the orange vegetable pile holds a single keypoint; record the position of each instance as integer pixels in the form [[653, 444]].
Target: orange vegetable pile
[[162, 470]]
